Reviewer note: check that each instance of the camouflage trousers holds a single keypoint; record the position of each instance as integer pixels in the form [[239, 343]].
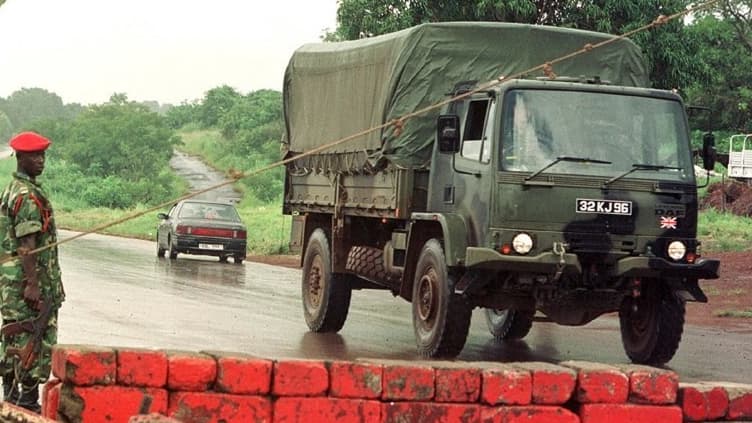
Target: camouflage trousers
[[10, 365]]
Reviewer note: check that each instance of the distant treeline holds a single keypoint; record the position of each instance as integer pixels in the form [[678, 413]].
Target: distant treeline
[[117, 154]]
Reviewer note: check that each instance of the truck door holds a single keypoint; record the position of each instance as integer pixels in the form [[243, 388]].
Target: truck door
[[472, 178]]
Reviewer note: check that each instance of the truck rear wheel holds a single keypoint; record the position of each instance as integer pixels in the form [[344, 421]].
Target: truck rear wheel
[[508, 324], [441, 318], [326, 295], [652, 324]]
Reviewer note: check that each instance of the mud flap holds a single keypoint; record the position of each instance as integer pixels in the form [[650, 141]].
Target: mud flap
[[688, 290]]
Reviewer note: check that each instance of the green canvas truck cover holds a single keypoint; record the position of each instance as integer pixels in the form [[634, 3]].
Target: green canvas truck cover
[[334, 90]]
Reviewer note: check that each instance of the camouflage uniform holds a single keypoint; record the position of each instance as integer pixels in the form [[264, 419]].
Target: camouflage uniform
[[26, 210]]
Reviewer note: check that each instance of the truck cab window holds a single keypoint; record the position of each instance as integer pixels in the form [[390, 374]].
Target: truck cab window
[[473, 143]]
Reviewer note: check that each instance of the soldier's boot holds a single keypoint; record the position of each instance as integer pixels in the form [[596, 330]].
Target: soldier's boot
[[29, 398], [10, 390]]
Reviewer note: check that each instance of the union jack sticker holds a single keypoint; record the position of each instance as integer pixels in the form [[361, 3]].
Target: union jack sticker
[[668, 222]]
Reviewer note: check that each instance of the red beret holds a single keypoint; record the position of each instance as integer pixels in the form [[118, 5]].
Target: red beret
[[29, 142]]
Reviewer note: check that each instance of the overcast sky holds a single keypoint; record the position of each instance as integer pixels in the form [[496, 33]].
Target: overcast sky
[[164, 50]]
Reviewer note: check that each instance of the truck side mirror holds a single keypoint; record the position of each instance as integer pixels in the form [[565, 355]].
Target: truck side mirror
[[162, 216], [708, 151], [447, 134]]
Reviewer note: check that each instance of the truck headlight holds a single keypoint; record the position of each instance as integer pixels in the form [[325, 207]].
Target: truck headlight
[[676, 250], [522, 243]]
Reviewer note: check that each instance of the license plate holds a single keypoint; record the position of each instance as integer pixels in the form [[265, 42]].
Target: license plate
[[622, 208], [211, 246]]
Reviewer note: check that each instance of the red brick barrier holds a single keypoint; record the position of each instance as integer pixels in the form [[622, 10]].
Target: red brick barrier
[[95, 384]]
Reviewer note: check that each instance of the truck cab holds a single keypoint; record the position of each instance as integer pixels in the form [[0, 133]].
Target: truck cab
[[579, 199]]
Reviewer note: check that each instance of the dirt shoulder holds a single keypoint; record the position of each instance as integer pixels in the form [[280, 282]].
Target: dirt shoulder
[[732, 292]]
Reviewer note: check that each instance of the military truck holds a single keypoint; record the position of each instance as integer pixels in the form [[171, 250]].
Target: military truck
[[557, 198]]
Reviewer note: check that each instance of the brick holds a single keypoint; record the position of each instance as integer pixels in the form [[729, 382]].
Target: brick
[[84, 365], [552, 384], [700, 402], [599, 383], [629, 413], [300, 378], [426, 412], [528, 414], [189, 371], [51, 398], [407, 381], [112, 404], [242, 374], [206, 407], [355, 380], [504, 384], [650, 385], [456, 382], [141, 367], [740, 401], [341, 410]]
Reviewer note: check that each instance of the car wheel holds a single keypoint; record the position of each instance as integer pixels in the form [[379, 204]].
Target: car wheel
[[160, 250], [223, 259], [237, 260], [172, 251]]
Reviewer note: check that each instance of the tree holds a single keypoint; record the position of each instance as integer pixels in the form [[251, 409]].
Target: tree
[[217, 102], [119, 138], [6, 127], [667, 55], [738, 13], [27, 105], [183, 114], [726, 69]]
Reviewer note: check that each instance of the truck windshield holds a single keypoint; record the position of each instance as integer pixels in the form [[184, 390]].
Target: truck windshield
[[540, 125]]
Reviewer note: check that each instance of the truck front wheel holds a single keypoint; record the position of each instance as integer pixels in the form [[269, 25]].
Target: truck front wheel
[[652, 324], [508, 324], [326, 295], [441, 318]]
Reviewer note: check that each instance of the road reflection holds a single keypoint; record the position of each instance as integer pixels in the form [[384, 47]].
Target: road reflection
[[202, 270]]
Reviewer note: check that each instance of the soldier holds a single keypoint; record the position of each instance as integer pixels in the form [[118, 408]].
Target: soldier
[[31, 290]]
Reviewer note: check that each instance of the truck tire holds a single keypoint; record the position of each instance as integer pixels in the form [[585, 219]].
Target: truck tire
[[441, 318], [368, 263], [508, 324], [326, 295], [652, 324]]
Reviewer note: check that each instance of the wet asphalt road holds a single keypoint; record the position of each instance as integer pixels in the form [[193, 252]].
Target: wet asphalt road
[[120, 294]]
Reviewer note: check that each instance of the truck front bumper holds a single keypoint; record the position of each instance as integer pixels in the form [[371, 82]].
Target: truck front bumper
[[548, 262]]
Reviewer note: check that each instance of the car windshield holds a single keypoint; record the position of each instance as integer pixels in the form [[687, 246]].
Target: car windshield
[[209, 211], [540, 125]]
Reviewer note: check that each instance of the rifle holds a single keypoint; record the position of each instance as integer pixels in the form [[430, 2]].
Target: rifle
[[36, 326]]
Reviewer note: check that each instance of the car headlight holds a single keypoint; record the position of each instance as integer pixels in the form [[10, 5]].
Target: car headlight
[[522, 243], [676, 250]]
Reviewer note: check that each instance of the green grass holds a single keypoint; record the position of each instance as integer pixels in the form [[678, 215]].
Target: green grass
[[746, 314], [723, 231]]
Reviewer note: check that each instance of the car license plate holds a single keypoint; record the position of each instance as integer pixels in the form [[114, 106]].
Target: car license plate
[[211, 246], [622, 208]]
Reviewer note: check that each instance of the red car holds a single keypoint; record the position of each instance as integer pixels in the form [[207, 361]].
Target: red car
[[202, 228]]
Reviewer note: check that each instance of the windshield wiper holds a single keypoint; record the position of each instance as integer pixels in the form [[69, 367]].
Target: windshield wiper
[[566, 159], [640, 166]]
